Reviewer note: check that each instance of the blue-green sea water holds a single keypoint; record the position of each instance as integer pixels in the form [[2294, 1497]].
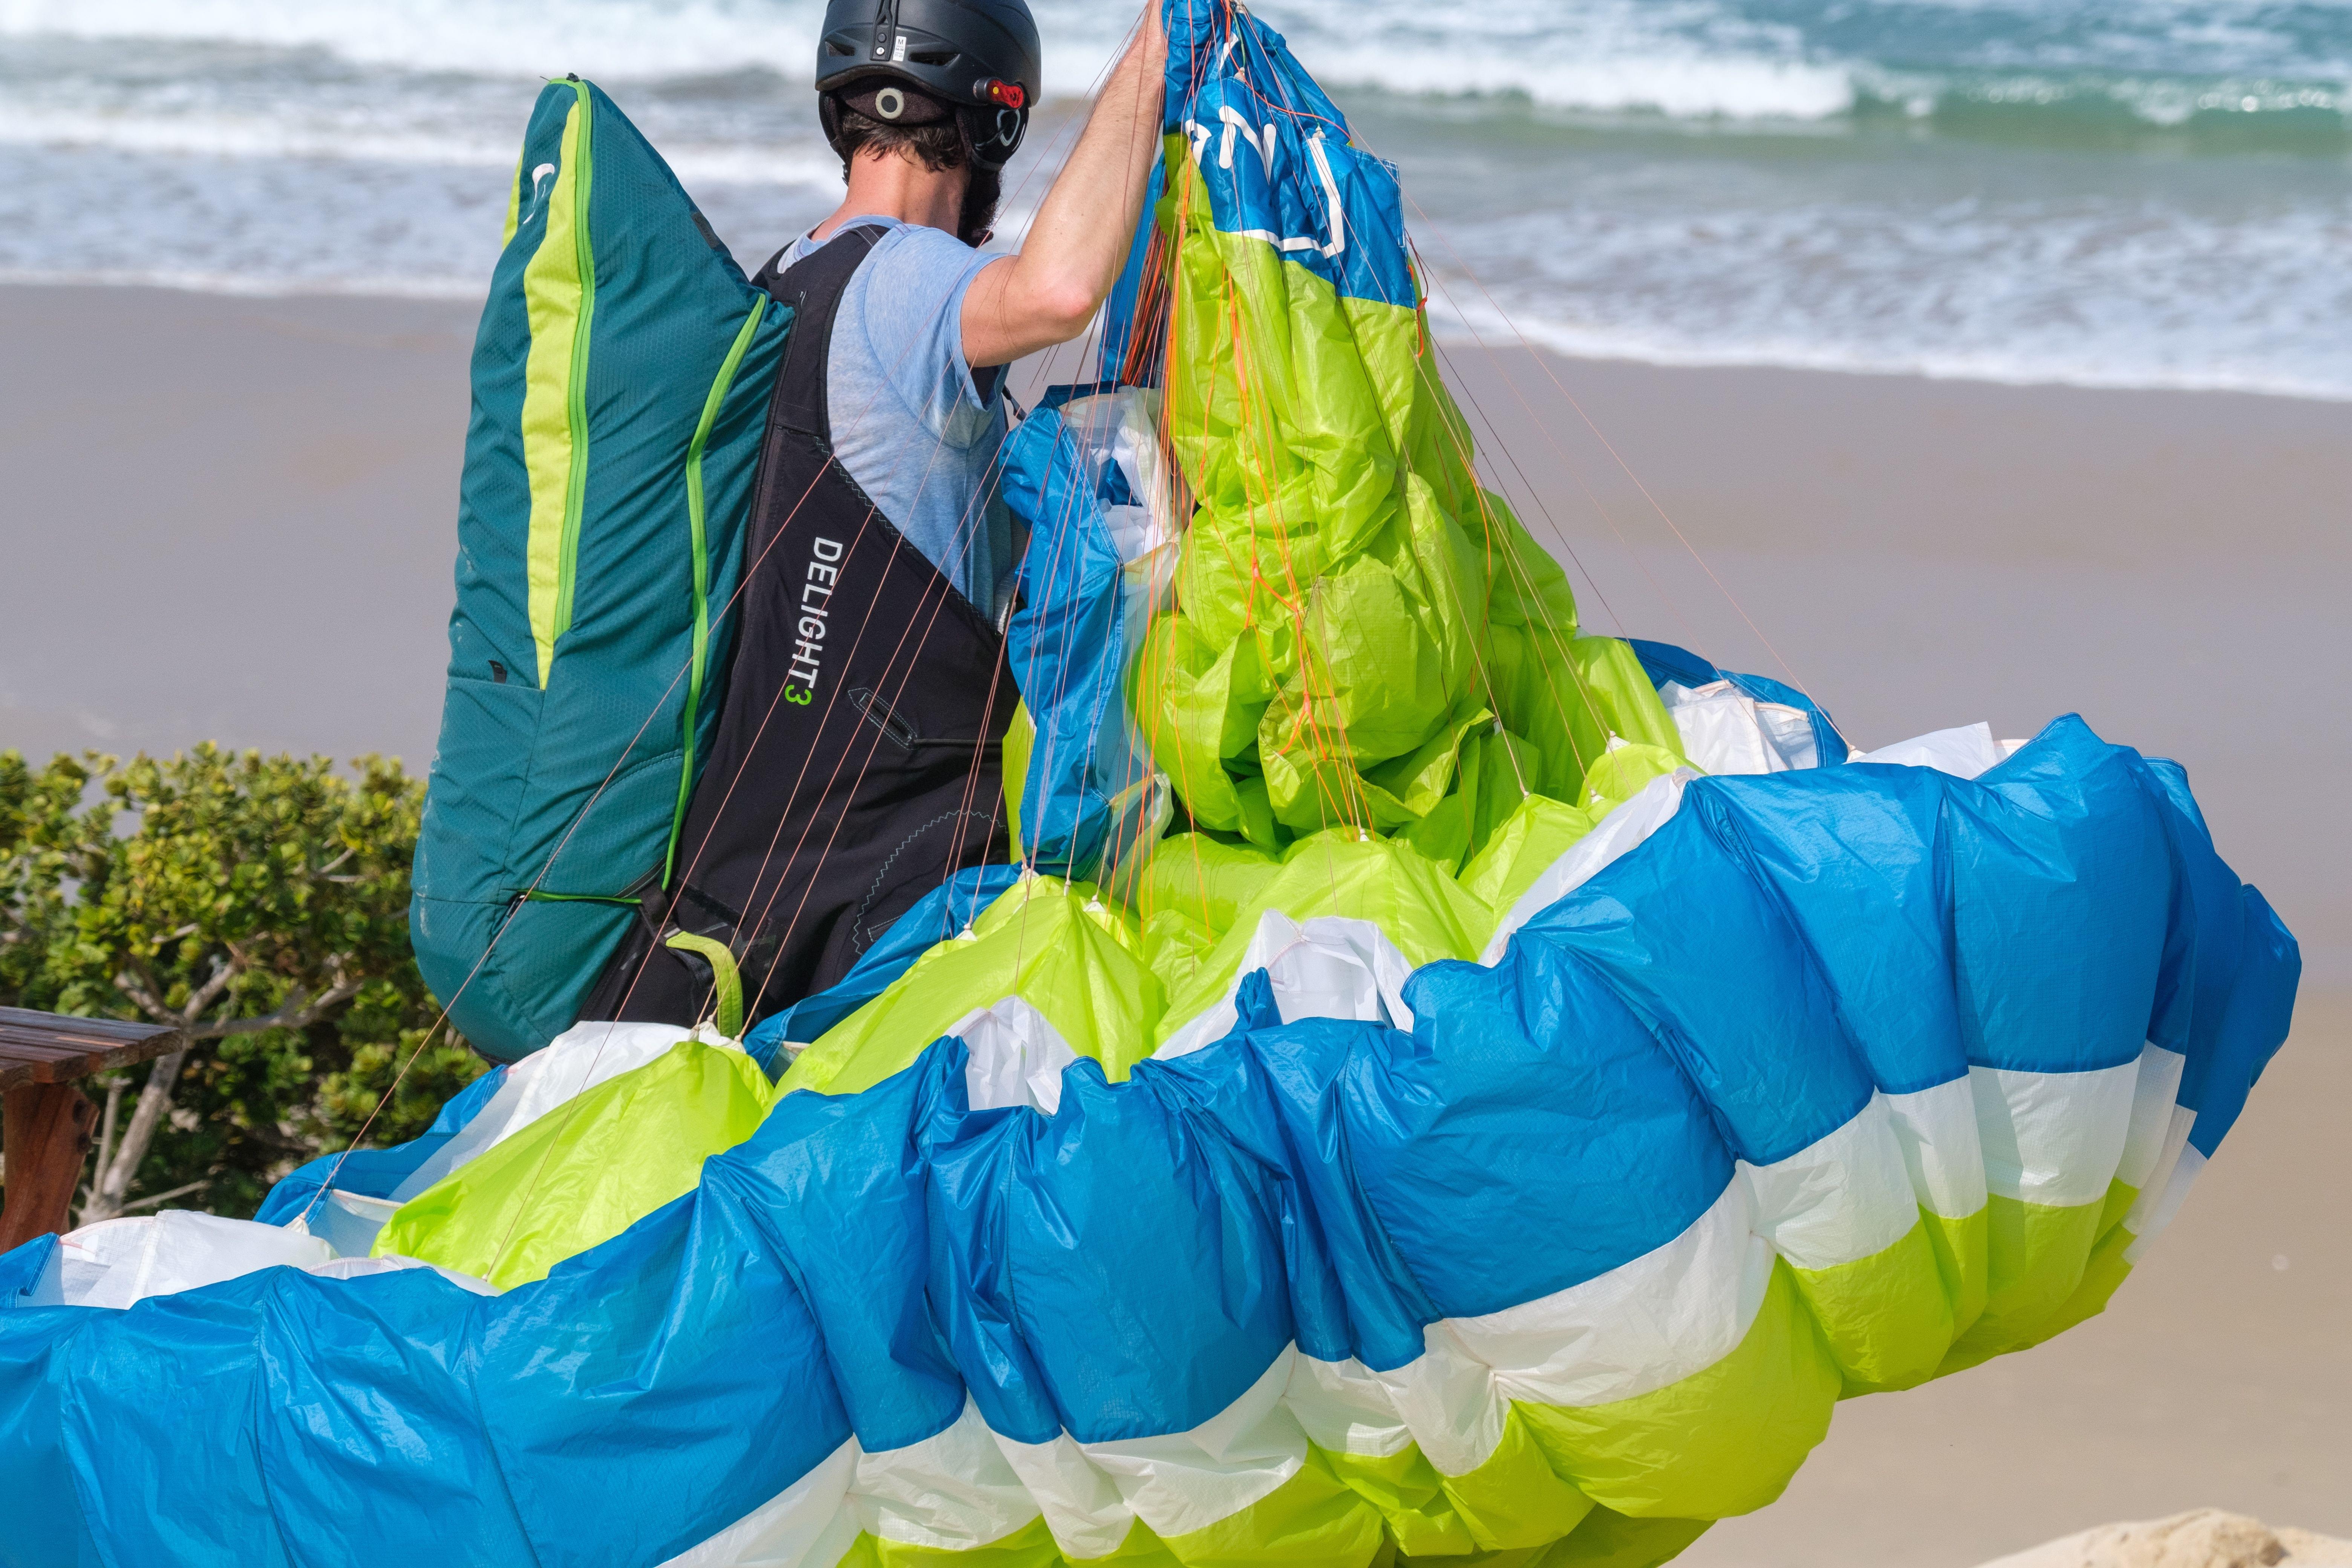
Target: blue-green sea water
[[2140, 192]]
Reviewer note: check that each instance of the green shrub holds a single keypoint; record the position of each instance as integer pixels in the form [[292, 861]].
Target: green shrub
[[261, 903]]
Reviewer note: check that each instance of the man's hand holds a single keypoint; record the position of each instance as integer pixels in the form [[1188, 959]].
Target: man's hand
[[1050, 292]]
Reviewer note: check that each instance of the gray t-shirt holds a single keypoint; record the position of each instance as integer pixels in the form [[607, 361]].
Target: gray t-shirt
[[909, 423]]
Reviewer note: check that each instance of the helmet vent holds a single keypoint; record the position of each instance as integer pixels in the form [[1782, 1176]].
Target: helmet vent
[[935, 57]]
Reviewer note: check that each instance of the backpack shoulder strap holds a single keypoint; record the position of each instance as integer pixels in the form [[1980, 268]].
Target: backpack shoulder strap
[[813, 286]]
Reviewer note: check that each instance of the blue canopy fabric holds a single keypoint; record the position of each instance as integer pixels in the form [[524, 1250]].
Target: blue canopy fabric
[[1787, 950]]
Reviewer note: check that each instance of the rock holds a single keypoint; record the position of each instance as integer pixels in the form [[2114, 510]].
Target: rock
[[2203, 1538]]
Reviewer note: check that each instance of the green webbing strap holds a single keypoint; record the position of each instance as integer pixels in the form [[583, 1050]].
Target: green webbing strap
[[723, 966], [694, 518]]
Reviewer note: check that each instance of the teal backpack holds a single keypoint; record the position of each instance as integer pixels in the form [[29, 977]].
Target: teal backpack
[[621, 381]]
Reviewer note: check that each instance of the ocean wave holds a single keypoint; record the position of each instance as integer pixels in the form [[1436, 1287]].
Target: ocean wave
[[1676, 84], [613, 40], [1730, 92], [2070, 106], [1735, 96], [616, 38], [2156, 64], [246, 285], [1681, 58], [2097, 292], [806, 164], [1487, 328], [2162, 64], [244, 137]]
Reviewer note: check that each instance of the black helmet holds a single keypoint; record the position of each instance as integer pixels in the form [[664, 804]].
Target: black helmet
[[979, 56]]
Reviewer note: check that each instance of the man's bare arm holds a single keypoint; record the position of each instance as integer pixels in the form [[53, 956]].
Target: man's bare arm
[[1048, 293]]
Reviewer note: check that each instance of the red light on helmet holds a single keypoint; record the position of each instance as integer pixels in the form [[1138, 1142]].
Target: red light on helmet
[[1005, 94]]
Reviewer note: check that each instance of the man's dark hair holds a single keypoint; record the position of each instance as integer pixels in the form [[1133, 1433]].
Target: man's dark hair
[[938, 147]]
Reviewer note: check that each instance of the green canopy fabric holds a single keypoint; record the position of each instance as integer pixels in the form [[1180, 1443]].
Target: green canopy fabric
[[585, 1170]]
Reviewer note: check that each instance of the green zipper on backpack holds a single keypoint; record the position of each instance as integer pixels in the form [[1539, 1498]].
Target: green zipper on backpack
[[695, 518], [577, 398]]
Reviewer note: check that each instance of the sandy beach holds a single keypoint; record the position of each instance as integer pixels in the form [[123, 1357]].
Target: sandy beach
[[232, 518]]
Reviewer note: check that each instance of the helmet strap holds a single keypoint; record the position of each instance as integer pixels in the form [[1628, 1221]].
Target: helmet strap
[[998, 153]]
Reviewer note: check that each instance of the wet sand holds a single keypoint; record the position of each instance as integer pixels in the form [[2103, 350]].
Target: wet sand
[[234, 518]]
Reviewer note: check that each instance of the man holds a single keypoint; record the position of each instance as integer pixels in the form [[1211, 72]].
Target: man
[[857, 758]]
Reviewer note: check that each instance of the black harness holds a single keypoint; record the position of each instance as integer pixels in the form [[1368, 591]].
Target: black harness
[[858, 756]]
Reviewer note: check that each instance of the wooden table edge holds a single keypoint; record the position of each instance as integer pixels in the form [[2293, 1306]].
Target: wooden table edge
[[19, 1073]]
